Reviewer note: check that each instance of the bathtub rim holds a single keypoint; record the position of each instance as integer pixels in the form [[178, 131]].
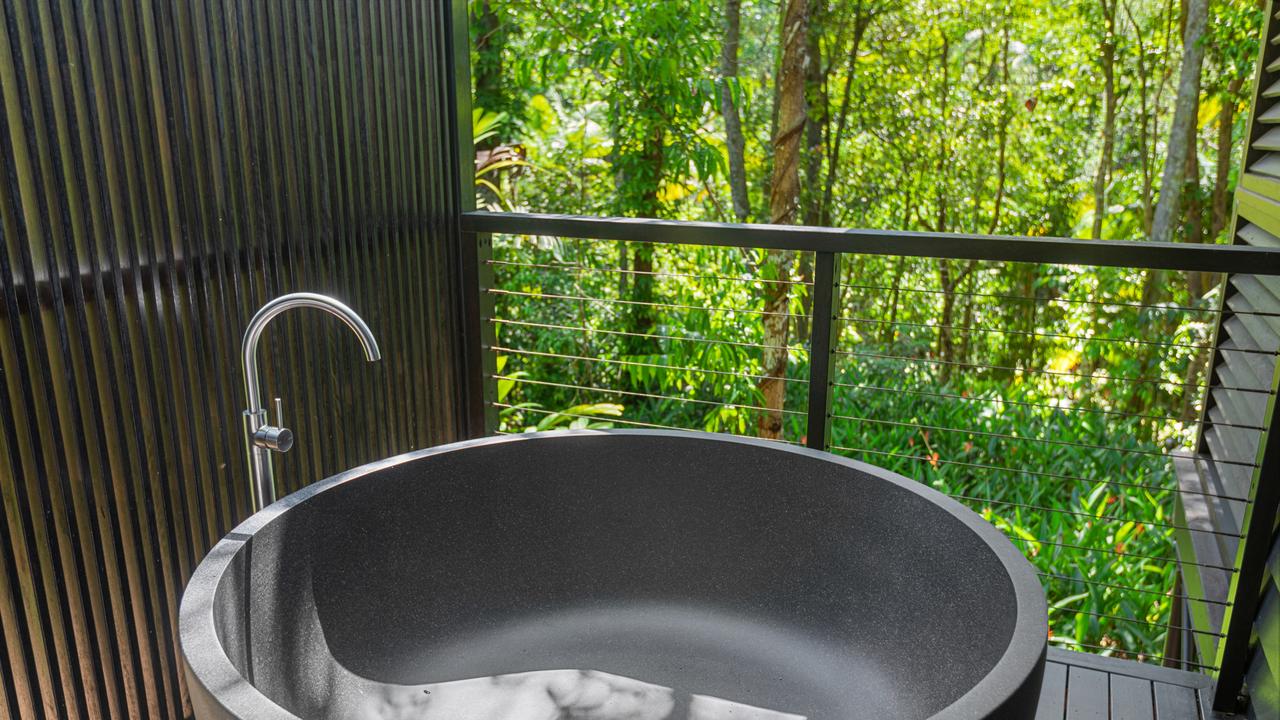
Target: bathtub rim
[[1011, 685]]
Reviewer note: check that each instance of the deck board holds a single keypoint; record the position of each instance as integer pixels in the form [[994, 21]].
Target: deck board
[[1087, 694], [1176, 703], [1131, 699], [1053, 692], [1079, 686]]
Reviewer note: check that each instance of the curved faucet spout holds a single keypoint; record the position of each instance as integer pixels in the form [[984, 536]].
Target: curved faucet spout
[[262, 438], [253, 334]]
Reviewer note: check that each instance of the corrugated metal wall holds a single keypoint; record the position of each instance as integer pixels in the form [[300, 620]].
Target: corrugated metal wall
[[168, 167]]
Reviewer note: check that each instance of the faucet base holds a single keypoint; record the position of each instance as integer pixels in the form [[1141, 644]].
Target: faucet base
[[263, 488]]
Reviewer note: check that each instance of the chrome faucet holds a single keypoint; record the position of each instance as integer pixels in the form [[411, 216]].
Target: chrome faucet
[[260, 438]]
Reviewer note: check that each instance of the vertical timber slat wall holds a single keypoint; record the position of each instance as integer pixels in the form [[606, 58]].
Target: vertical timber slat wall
[[1258, 223], [1250, 318], [168, 166]]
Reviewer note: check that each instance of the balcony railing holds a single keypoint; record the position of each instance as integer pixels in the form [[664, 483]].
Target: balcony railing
[[1066, 412]]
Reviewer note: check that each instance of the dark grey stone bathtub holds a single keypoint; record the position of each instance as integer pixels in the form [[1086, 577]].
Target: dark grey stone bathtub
[[610, 575]]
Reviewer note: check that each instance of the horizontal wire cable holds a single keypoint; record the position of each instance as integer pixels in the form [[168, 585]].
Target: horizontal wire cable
[[669, 306], [643, 336], [611, 419], [1113, 586], [1110, 519], [1026, 298], [517, 351], [631, 393], [1118, 554], [1047, 441], [881, 288], [1042, 406], [597, 418], [795, 348], [1020, 403], [652, 273], [1056, 336], [1026, 371], [1148, 658], [1037, 473], [1136, 621], [1002, 436]]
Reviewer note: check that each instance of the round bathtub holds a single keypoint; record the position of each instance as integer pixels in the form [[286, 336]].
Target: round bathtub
[[635, 575]]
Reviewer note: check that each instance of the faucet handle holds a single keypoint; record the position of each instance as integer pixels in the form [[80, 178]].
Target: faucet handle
[[270, 437], [274, 437]]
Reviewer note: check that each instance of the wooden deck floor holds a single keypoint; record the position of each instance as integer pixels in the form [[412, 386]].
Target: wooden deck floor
[[1078, 686]]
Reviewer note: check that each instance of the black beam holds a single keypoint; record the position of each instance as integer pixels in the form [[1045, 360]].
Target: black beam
[[475, 273], [821, 342], [958, 246]]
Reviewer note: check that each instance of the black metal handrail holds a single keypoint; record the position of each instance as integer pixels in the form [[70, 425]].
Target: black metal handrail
[[950, 246]]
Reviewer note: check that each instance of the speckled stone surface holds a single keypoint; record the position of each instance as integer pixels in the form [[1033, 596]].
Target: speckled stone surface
[[615, 575]]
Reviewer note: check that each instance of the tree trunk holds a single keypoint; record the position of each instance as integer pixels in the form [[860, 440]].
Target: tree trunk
[[1191, 185], [946, 282], [1184, 119], [817, 107], [1149, 111], [1219, 198], [1145, 112], [946, 323], [817, 103], [889, 331], [1006, 117], [784, 201], [734, 139], [641, 292], [1107, 60], [965, 351], [646, 204], [1196, 281], [1194, 213], [860, 22], [1222, 172]]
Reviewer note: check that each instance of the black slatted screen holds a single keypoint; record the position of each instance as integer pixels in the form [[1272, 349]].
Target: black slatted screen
[[168, 166]]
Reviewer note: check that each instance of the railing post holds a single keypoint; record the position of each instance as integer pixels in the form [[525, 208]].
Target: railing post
[[480, 336], [1251, 559], [822, 341], [475, 249]]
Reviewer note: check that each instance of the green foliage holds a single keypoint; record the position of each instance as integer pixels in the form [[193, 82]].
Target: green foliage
[[1046, 398]]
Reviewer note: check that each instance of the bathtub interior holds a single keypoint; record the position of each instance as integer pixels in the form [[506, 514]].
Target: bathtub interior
[[675, 578]]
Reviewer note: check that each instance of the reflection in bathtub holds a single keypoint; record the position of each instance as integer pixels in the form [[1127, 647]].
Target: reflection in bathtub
[[540, 695]]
